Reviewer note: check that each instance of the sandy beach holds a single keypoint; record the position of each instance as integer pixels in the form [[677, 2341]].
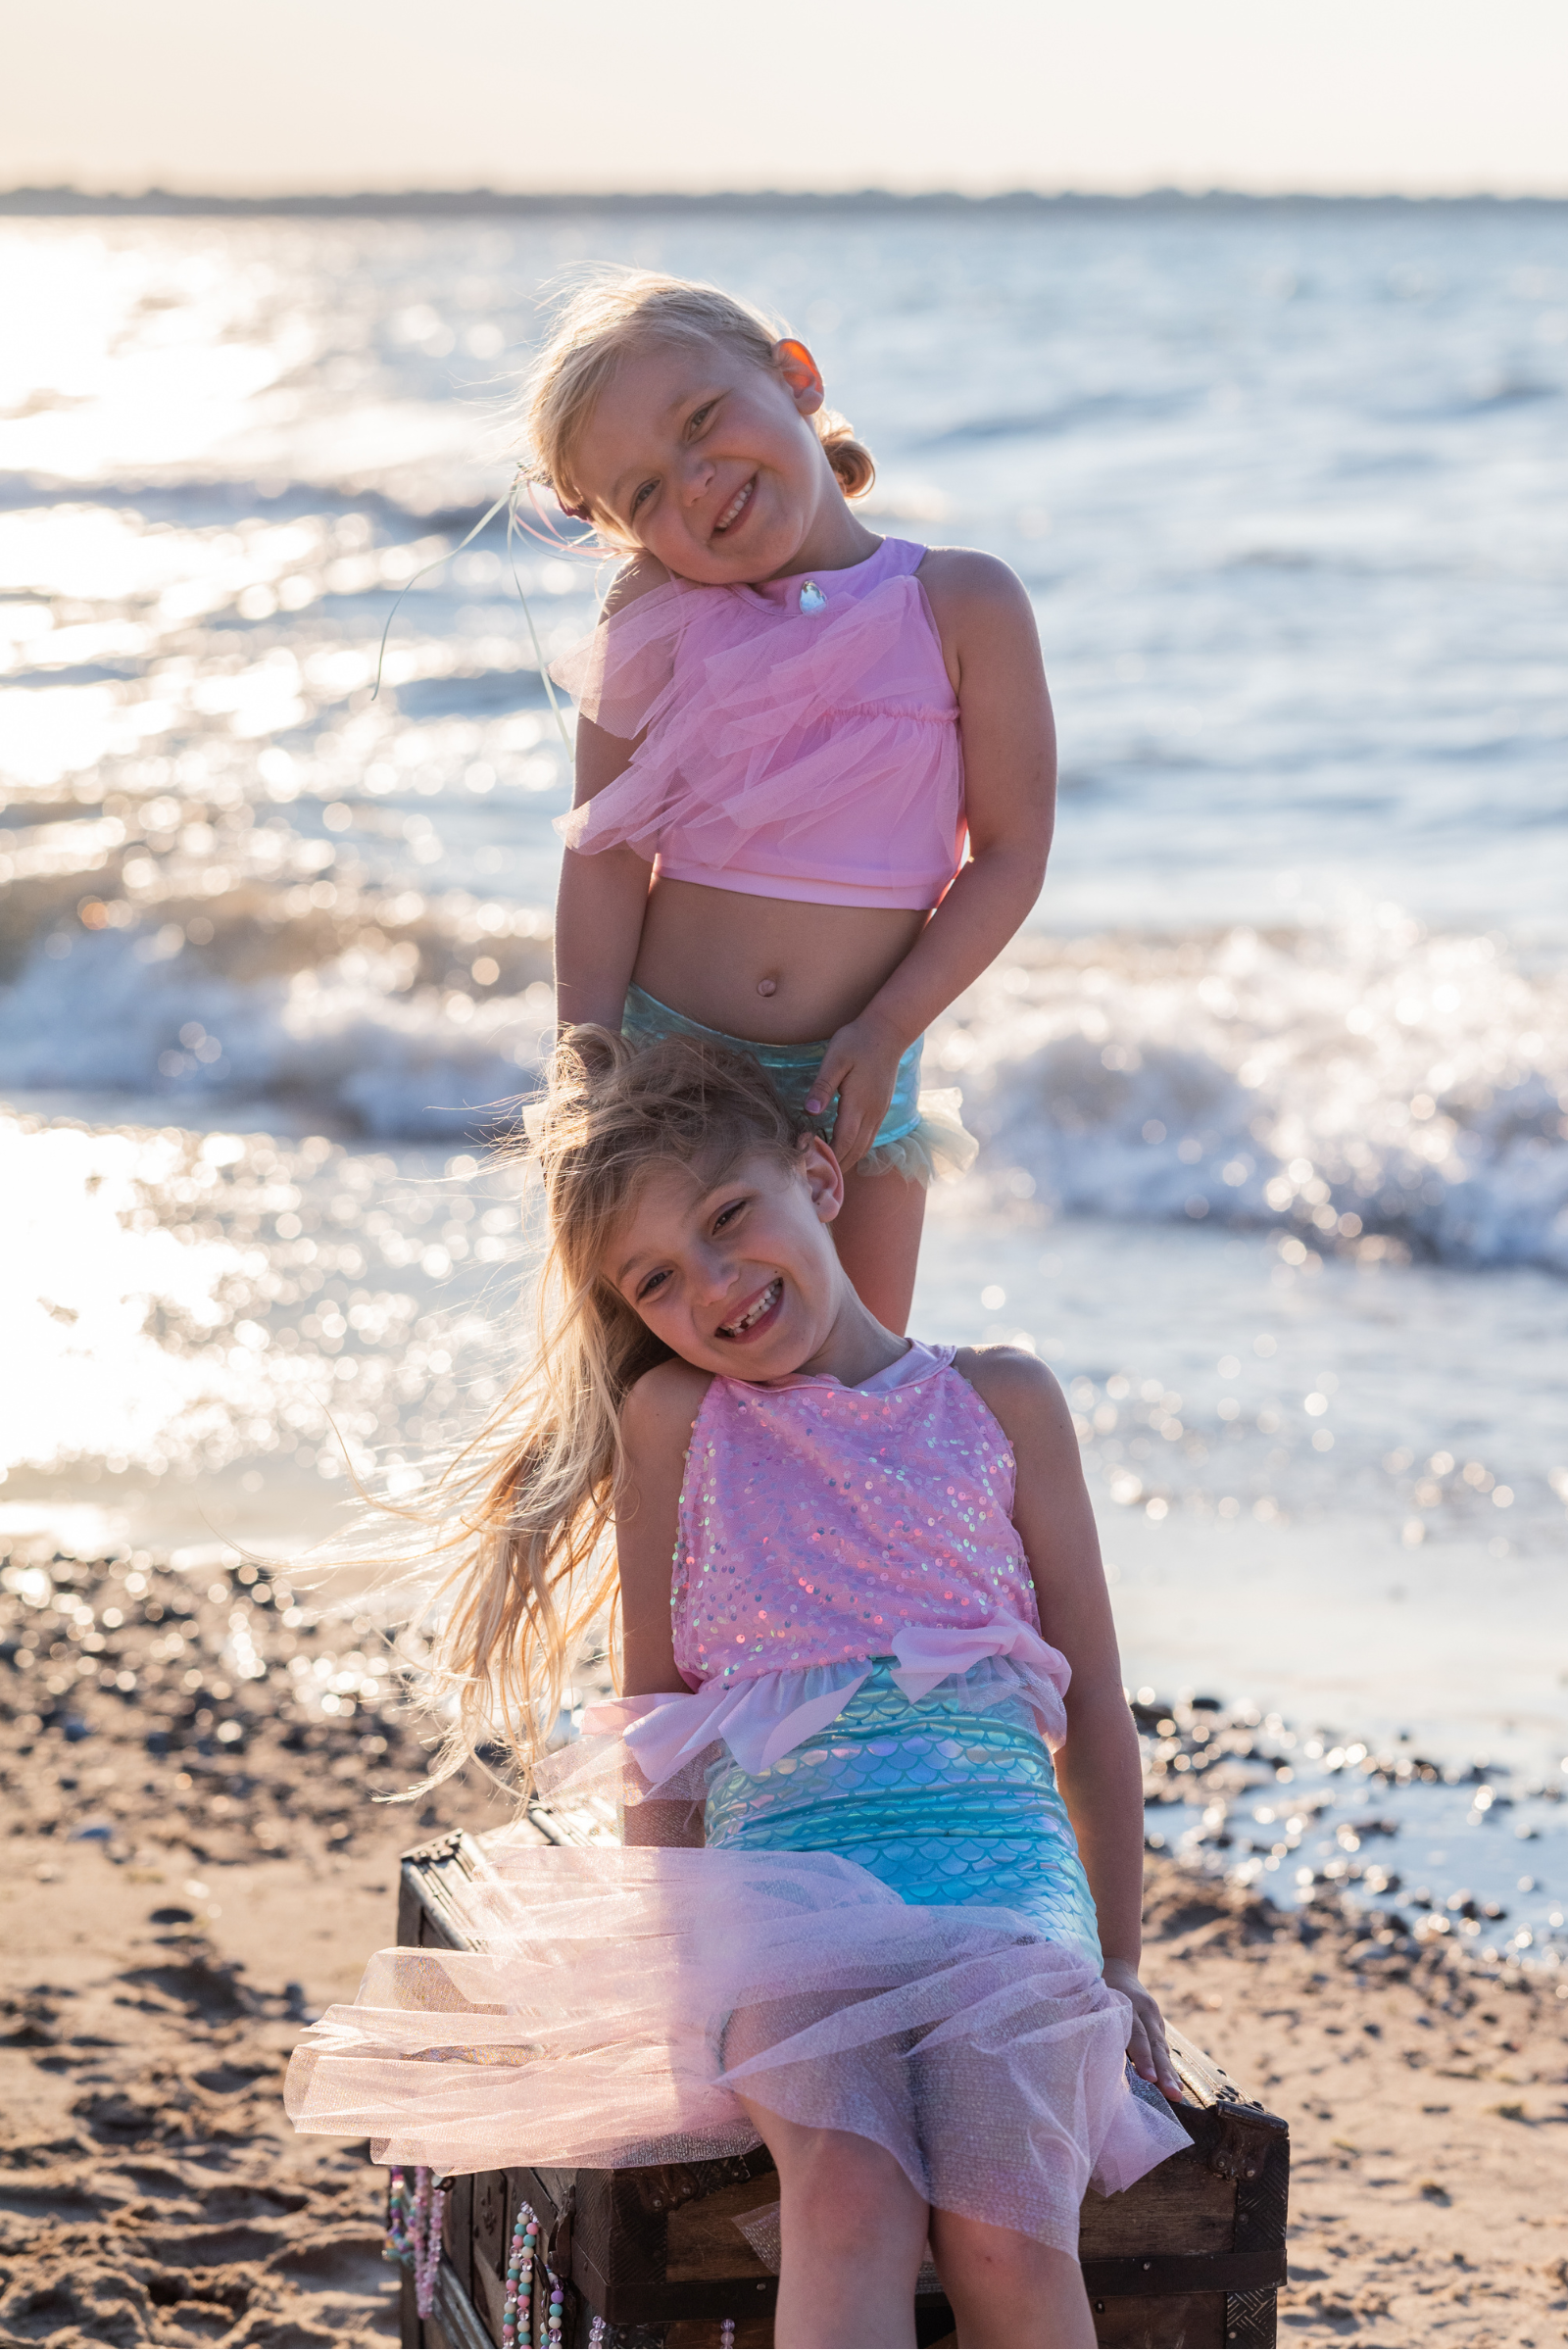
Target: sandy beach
[[196, 1865]]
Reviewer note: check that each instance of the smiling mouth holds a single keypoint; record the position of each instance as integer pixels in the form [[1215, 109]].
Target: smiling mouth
[[736, 507], [762, 1304]]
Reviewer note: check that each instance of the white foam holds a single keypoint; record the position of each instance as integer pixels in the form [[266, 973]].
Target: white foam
[[1369, 1081], [339, 1037], [1353, 1083]]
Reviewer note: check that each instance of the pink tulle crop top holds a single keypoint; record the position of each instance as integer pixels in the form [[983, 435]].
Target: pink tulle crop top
[[800, 738]]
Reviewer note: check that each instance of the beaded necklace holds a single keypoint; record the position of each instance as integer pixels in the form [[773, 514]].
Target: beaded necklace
[[413, 2241], [413, 2229], [519, 2303]]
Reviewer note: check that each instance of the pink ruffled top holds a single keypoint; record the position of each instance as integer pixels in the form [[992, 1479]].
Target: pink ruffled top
[[792, 748], [822, 1527]]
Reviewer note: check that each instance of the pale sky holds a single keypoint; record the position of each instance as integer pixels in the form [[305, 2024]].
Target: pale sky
[[1356, 96]]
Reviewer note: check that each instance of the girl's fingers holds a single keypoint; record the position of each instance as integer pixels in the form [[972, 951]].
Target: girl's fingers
[[834, 1068], [857, 1123], [851, 1142], [864, 1093], [1147, 2045], [1162, 2069]]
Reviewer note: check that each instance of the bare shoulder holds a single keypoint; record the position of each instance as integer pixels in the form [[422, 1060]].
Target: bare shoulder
[[657, 1411], [1024, 1394], [634, 580], [983, 615], [964, 583]]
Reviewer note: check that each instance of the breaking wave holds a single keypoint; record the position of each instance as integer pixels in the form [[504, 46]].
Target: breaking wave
[[1373, 1088]]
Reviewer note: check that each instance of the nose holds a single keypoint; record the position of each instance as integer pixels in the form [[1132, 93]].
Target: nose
[[714, 1276], [699, 478]]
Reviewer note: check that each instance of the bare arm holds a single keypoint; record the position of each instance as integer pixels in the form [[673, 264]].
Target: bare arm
[[1098, 1769], [1009, 762], [600, 904], [601, 898], [655, 1426]]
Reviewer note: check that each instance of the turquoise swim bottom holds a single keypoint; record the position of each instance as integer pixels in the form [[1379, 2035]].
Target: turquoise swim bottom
[[920, 1136], [944, 1802]]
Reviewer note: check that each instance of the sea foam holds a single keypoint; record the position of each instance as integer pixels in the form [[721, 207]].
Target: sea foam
[[1368, 1086]]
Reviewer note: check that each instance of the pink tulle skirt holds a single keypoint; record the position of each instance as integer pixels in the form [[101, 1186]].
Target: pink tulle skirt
[[634, 2005]]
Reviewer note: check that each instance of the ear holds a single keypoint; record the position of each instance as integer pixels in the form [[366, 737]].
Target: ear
[[824, 1178], [801, 373]]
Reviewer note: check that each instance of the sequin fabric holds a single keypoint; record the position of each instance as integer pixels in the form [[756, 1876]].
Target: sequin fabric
[[941, 1803], [815, 1520]]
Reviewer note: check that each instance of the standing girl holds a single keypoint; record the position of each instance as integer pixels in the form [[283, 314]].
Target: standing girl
[[788, 727], [862, 1603]]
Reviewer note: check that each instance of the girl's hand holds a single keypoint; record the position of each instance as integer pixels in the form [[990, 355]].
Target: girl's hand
[[860, 1066], [1146, 2044]]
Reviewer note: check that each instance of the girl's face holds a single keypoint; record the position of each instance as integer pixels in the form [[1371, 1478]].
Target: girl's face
[[706, 459], [739, 1276]]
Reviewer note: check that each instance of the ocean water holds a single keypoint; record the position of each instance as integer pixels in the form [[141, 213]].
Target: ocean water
[[1273, 1089]]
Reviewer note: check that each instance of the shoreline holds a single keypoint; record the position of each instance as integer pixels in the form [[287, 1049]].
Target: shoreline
[[196, 1868]]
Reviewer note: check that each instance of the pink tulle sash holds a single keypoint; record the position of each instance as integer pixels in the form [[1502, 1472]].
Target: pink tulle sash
[[626, 2000], [670, 1737]]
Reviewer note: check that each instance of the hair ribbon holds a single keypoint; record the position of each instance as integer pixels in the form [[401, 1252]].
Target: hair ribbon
[[515, 523]]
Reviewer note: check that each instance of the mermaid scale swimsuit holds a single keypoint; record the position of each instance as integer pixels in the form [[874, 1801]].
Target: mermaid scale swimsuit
[[942, 1805], [887, 1933]]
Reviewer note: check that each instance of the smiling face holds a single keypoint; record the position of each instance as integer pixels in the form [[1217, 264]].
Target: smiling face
[[737, 1275], [708, 460]]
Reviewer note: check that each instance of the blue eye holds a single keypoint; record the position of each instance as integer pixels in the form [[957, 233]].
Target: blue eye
[[651, 1286], [646, 491]]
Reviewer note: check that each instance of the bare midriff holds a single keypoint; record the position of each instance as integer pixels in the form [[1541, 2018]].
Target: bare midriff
[[778, 971]]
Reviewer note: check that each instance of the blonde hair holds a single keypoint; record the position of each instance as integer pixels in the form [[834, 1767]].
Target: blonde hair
[[537, 1495], [605, 318]]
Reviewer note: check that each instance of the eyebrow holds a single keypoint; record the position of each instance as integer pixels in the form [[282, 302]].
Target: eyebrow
[[698, 1204]]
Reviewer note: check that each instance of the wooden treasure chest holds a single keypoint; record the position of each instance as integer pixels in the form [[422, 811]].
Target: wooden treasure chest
[[688, 2254]]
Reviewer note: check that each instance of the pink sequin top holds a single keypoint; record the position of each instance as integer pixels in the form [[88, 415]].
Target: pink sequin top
[[817, 1521], [801, 736], [822, 1527]]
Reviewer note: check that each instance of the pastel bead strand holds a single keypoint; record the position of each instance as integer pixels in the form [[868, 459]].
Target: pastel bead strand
[[397, 2247], [518, 2301], [429, 2208]]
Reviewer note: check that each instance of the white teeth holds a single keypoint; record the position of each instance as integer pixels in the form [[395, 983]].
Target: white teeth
[[734, 507], [752, 1314]]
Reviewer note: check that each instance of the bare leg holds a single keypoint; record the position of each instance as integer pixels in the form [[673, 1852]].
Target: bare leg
[[853, 2230], [1006, 2289], [878, 1234]]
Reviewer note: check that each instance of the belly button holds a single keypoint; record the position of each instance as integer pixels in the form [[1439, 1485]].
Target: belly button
[[766, 987]]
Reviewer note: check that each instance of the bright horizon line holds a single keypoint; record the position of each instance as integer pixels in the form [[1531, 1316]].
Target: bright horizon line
[[1193, 192]]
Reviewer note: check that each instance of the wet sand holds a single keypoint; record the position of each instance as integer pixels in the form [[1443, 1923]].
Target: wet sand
[[196, 1865]]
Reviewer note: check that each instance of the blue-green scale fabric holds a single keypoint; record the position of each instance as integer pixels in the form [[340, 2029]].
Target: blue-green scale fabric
[[792, 1068], [943, 1802]]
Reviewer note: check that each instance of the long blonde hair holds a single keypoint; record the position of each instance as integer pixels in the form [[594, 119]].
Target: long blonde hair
[[535, 1498], [595, 328]]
